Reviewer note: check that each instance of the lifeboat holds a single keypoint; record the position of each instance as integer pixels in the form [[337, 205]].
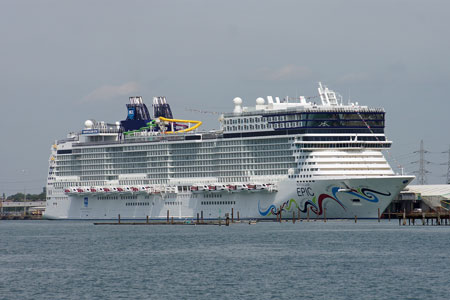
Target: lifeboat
[[251, 186], [231, 187], [199, 188], [203, 188], [80, 190], [144, 189], [66, 191], [92, 190], [134, 189], [241, 187], [221, 187], [212, 188], [120, 190]]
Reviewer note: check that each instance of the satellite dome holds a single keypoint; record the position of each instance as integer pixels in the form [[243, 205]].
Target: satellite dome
[[237, 101], [259, 101], [88, 124]]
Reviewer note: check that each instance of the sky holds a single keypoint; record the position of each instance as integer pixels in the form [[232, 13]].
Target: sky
[[63, 62]]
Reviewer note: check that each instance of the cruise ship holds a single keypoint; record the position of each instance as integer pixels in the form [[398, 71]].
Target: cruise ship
[[282, 158]]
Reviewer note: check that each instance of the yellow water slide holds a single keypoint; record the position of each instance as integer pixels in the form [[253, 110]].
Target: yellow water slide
[[197, 124]]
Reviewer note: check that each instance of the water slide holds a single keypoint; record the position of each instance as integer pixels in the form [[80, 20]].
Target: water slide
[[197, 124]]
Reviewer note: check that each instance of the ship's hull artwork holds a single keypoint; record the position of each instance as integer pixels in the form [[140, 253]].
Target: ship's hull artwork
[[346, 198]]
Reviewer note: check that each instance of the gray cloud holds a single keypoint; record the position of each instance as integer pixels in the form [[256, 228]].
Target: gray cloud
[[106, 92], [287, 72]]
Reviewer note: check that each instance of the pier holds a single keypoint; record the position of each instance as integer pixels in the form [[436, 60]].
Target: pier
[[422, 218]]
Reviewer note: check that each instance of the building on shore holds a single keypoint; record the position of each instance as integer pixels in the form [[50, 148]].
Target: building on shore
[[421, 198]]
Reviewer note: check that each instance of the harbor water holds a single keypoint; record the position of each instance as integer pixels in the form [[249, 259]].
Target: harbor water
[[317, 260]]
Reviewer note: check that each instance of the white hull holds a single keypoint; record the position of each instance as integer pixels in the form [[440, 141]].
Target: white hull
[[337, 198]]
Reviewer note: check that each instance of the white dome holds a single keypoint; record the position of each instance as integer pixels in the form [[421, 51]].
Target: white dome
[[237, 101], [259, 101], [88, 124]]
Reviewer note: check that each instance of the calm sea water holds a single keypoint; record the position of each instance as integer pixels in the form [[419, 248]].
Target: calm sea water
[[333, 260]]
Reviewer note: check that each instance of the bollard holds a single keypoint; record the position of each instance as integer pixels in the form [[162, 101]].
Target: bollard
[[119, 218], [379, 216]]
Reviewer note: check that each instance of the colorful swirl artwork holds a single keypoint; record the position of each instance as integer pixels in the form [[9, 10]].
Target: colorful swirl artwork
[[316, 204]]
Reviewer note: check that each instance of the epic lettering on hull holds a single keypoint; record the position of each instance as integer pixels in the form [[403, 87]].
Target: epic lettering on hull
[[304, 191]]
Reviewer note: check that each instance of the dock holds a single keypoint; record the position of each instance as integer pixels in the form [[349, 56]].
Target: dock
[[171, 221], [422, 218]]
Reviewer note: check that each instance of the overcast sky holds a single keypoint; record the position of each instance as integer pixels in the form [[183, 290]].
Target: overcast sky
[[63, 62]]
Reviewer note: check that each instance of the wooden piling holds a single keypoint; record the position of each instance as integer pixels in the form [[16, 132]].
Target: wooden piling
[[238, 216], [389, 214], [307, 214], [201, 216], [198, 218], [324, 215], [167, 216], [232, 215], [379, 216], [299, 218], [423, 219], [280, 214], [293, 217], [227, 220], [172, 220], [356, 218], [147, 220], [404, 217], [119, 218]]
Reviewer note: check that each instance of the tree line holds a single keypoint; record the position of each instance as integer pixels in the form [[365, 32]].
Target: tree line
[[19, 197]]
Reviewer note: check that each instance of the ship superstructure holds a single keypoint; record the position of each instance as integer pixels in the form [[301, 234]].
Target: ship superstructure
[[282, 156]]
